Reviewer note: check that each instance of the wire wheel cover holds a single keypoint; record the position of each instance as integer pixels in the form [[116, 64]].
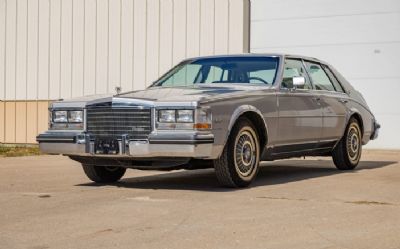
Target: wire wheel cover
[[353, 142], [245, 153]]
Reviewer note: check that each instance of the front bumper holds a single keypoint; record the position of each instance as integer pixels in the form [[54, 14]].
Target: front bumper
[[161, 144]]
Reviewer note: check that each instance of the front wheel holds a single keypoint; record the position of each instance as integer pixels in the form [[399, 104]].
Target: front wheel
[[347, 152], [238, 164], [102, 174]]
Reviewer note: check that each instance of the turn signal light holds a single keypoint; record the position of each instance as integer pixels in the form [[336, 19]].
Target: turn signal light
[[202, 126]]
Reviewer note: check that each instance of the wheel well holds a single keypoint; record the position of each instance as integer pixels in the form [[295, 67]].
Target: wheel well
[[359, 119], [259, 125]]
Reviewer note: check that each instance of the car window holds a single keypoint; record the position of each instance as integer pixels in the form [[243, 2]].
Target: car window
[[319, 78], [293, 68], [215, 75], [334, 80], [183, 75], [261, 75], [228, 70]]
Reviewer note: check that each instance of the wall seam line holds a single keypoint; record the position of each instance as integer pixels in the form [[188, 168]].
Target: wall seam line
[[26, 49], [84, 47], [145, 44], [159, 38], [133, 45], [37, 51], [48, 54], [72, 49], [15, 70], [172, 33], [120, 44], [95, 54], [108, 46], [214, 40], [59, 76], [199, 27], [5, 71], [228, 28]]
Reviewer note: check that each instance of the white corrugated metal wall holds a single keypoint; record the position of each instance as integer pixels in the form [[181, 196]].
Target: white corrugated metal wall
[[51, 49], [361, 38]]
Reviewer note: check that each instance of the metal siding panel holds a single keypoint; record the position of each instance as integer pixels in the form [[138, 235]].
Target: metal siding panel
[[2, 48], [207, 27], [11, 32], [55, 49], [90, 24], [374, 28], [78, 39], [102, 47], [358, 39], [20, 122], [221, 26], [43, 52], [127, 45], [193, 28], [290, 9], [139, 36], [21, 54], [236, 27], [43, 116], [66, 49], [387, 135], [114, 45], [2, 121], [179, 34], [31, 117], [366, 57], [152, 47], [32, 59], [10, 122], [166, 35]]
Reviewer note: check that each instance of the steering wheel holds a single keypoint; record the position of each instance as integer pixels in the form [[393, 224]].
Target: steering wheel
[[258, 78]]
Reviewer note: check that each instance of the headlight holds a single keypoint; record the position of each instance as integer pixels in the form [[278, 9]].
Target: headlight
[[66, 120], [184, 119], [60, 116], [166, 116], [184, 116], [75, 116]]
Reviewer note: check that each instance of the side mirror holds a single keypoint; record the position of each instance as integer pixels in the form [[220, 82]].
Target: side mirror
[[299, 82]]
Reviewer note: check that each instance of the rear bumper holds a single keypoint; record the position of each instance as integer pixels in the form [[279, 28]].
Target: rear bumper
[[162, 144], [375, 133]]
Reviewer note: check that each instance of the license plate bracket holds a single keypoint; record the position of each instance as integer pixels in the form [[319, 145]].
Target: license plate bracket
[[106, 146]]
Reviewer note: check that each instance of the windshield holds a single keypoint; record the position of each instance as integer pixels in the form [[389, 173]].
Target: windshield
[[251, 69]]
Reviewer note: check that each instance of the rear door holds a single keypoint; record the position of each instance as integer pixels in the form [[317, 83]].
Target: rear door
[[332, 99], [300, 114]]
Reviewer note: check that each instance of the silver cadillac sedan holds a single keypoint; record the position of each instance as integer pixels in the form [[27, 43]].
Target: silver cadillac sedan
[[222, 112]]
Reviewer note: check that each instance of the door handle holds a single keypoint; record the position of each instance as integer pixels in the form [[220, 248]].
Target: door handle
[[344, 101], [317, 98]]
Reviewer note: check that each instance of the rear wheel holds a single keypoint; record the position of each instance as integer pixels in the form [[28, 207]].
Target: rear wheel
[[101, 174], [238, 164], [347, 152]]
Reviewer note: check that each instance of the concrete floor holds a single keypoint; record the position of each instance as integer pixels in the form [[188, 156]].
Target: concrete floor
[[47, 202]]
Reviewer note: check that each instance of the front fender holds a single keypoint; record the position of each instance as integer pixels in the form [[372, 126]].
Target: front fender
[[239, 111]]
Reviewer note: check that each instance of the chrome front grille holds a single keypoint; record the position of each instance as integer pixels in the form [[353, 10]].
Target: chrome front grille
[[118, 121]]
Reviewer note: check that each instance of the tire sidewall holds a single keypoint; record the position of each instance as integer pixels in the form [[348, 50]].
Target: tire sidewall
[[243, 125], [353, 123]]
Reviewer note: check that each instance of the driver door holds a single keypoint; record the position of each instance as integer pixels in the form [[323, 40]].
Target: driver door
[[300, 112]]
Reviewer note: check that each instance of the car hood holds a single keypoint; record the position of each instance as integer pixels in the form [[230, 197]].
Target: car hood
[[193, 93]]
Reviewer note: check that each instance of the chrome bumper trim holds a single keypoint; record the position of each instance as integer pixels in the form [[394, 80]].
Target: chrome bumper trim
[[375, 134], [84, 145]]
